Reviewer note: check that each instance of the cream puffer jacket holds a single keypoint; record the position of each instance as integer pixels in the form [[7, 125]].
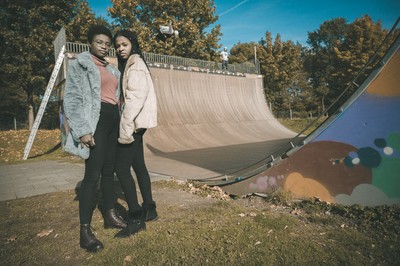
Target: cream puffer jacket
[[140, 102]]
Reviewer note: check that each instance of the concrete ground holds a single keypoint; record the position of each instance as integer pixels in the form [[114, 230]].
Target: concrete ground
[[41, 177]]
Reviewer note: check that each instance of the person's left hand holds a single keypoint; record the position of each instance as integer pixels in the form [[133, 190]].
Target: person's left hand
[[87, 140]]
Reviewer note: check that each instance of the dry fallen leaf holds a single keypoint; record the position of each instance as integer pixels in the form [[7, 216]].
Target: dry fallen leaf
[[128, 258], [11, 239], [296, 212], [45, 233]]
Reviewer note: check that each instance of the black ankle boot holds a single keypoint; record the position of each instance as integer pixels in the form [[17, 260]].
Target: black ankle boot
[[136, 223], [113, 220], [88, 241], [150, 212]]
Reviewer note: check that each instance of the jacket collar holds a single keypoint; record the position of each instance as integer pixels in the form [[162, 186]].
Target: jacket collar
[[85, 59], [131, 60]]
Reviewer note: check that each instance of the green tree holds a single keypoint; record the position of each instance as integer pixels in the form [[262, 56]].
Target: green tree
[[321, 55], [12, 106], [82, 18], [28, 29], [243, 52], [338, 51], [192, 18], [269, 69], [362, 38], [284, 79], [281, 63], [27, 53]]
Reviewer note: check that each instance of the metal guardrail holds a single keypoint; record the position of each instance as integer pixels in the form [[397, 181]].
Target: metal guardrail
[[176, 60], [78, 48]]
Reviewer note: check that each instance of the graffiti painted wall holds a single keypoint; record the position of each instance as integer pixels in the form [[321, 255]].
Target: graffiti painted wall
[[370, 129], [353, 160]]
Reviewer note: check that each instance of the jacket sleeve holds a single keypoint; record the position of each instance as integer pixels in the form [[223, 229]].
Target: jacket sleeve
[[135, 97], [74, 102]]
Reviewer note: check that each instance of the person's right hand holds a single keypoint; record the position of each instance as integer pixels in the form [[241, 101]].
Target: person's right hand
[[87, 140]]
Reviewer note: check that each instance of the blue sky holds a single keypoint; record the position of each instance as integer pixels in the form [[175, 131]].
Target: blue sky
[[248, 20]]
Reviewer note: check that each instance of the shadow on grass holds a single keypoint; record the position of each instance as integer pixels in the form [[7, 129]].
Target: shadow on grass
[[120, 209], [56, 147]]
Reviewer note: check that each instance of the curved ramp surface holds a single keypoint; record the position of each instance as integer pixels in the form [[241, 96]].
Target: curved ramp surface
[[210, 124], [355, 157]]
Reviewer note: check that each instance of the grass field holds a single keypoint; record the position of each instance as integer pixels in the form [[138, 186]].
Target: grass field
[[46, 146], [198, 225]]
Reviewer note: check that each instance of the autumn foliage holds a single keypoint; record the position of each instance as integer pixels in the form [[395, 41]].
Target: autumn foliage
[[47, 145]]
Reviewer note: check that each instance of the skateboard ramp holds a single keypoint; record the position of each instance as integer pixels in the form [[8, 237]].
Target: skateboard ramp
[[354, 157], [210, 125]]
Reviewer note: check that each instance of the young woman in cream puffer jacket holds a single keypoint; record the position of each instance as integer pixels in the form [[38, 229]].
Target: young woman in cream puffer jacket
[[139, 113], [140, 103]]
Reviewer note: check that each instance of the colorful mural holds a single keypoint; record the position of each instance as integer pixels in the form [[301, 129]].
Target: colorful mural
[[371, 125], [355, 159]]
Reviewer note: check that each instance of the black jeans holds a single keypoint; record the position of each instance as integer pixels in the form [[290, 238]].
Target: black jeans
[[132, 155], [100, 163]]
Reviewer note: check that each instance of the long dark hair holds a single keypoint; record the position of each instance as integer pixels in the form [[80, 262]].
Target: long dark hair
[[132, 37]]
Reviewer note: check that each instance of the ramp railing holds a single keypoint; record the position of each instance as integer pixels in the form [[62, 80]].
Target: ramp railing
[[248, 67]]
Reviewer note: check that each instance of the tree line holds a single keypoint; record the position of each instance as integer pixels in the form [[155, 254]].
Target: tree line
[[308, 79], [305, 79]]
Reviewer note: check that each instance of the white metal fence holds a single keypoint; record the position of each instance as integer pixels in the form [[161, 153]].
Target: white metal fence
[[248, 67]]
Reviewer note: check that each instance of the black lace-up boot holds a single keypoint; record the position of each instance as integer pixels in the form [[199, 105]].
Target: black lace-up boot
[[88, 241], [113, 220]]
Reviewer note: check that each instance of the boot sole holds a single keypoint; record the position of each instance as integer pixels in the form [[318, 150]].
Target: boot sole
[[126, 236], [152, 219], [113, 227], [97, 249]]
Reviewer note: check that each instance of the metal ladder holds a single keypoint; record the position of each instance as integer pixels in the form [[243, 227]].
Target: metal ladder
[[43, 105]]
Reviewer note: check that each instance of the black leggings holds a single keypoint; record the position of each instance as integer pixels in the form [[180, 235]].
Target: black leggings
[[132, 155], [100, 163]]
